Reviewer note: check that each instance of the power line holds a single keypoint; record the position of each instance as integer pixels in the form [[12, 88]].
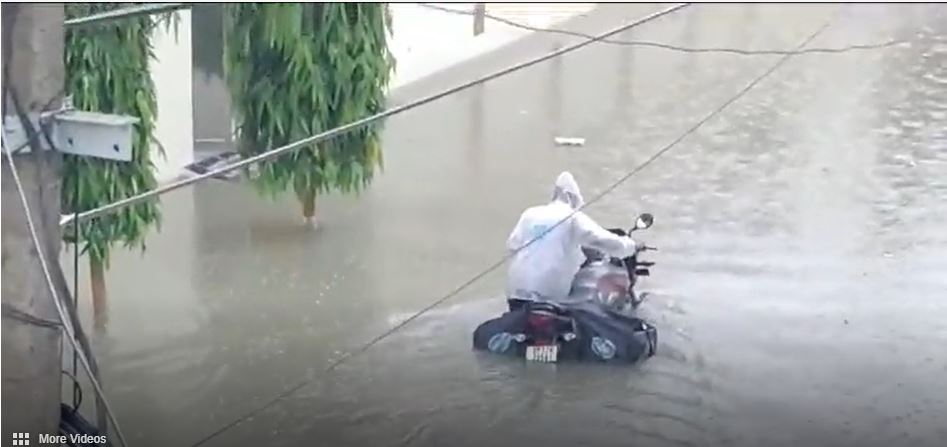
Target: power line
[[109, 208], [11, 311], [63, 320], [594, 199], [106, 209], [645, 43], [291, 390], [78, 340], [124, 13], [45, 116], [114, 206]]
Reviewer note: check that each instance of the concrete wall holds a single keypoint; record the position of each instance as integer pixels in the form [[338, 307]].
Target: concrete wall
[[171, 72]]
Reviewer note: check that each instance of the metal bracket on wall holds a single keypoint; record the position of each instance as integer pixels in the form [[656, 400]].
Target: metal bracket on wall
[[74, 132]]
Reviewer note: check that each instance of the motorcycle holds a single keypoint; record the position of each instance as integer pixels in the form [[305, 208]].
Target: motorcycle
[[611, 281], [594, 323]]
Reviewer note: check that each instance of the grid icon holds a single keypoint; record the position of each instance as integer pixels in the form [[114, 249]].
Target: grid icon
[[21, 439]]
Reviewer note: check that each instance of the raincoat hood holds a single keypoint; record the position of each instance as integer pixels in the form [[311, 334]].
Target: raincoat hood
[[567, 191]]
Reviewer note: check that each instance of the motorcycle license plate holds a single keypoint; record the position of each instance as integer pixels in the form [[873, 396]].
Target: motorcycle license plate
[[543, 353]]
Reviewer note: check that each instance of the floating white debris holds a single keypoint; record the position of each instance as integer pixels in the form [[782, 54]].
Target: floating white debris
[[570, 141]]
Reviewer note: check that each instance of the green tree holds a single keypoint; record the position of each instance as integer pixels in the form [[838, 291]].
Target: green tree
[[107, 71], [297, 69]]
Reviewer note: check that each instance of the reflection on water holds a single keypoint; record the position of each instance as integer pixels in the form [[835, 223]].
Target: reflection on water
[[212, 123], [798, 290]]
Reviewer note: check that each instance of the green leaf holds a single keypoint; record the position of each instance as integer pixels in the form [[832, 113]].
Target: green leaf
[[310, 67], [107, 71]]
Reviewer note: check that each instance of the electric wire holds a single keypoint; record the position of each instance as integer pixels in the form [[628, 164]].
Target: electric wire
[[12, 312], [77, 398], [67, 326], [319, 137], [151, 9], [594, 199], [124, 13], [654, 157], [108, 208], [76, 390], [147, 195], [645, 43], [45, 119]]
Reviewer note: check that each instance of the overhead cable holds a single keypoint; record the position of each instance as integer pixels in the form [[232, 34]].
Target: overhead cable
[[63, 319], [125, 13], [645, 43], [148, 195], [293, 389], [289, 391]]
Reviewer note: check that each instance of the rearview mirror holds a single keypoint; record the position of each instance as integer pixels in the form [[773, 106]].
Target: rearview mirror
[[644, 221]]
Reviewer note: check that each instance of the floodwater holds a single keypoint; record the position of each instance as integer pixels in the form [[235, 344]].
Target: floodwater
[[799, 293]]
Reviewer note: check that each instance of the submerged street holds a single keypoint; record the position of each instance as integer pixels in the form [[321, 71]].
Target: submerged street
[[799, 290]]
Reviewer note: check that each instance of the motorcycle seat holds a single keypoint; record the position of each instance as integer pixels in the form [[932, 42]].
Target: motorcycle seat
[[546, 307]]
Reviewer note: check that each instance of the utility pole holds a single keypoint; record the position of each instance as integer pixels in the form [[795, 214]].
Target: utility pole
[[33, 73], [480, 11]]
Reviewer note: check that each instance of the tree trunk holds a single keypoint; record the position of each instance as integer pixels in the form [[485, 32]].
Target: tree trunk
[[308, 202], [99, 293], [33, 69]]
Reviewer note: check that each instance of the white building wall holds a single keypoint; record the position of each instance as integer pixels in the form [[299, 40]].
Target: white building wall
[[171, 72]]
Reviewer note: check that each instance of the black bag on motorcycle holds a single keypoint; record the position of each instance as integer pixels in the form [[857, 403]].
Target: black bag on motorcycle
[[612, 337]]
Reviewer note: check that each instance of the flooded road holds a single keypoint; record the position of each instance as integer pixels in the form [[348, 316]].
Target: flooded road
[[799, 291]]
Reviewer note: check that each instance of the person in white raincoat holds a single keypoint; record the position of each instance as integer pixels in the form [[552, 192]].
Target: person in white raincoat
[[544, 269]]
